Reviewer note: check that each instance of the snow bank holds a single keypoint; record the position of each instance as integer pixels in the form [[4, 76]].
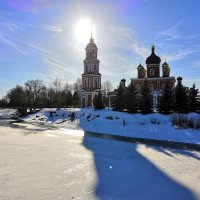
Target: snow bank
[[152, 126], [7, 113]]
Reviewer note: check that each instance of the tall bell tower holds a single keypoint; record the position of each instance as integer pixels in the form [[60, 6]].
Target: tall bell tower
[[91, 78]]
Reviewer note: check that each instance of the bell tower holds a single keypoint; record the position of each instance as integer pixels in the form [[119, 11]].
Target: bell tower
[[91, 78]]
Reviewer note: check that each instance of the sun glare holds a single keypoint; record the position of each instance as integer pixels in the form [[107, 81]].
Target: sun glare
[[82, 30]]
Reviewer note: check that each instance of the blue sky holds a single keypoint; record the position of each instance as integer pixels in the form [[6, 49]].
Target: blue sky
[[37, 39]]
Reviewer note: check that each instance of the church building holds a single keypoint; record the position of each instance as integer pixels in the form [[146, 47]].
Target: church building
[[153, 76], [152, 73], [91, 78]]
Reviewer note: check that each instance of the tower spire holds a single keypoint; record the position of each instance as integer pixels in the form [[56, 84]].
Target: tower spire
[[91, 31], [153, 48]]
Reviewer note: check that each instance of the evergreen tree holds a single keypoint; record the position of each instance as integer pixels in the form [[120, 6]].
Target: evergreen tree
[[76, 100], [69, 99], [16, 96], [132, 102], [165, 101], [193, 99], [106, 101], [3, 102], [98, 102], [120, 99], [180, 99], [146, 99]]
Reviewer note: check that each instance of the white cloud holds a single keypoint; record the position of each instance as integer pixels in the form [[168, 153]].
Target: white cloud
[[12, 44], [173, 33], [53, 28], [179, 54]]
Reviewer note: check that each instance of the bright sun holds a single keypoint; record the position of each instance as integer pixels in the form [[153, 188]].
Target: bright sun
[[83, 30]]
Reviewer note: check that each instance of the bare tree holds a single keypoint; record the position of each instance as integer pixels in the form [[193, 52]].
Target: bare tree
[[56, 90], [68, 88], [106, 87], [33, 90], [78, 86]]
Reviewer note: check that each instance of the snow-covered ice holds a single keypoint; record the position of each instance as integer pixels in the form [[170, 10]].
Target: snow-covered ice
[[50, 165]]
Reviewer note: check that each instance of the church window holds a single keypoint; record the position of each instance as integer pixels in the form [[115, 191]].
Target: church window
[[152, 72], [96, 84], [138, 86], [86, 68], [163, 86]]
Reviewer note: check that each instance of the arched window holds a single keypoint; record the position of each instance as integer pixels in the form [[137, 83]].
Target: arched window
[[86, 68], [96, 84], [85, 83], [152, 72], [138, 86], [163, 85]]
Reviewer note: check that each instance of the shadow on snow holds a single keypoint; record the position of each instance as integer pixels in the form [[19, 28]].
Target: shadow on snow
[[123, 173]]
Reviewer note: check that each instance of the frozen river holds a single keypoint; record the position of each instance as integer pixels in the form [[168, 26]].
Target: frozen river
[[51, 164]]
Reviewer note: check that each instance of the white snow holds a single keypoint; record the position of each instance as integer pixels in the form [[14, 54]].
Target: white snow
[[47, 165], [7, 113], [118, 123]]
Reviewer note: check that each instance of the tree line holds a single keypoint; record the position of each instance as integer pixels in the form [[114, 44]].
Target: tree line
[[35, 94], [179, 99]]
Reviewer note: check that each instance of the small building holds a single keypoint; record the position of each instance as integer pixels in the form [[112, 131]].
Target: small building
[[113, 94]]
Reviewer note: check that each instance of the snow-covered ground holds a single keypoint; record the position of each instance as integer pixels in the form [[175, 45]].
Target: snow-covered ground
[[7, 113], [118, 123], [46, 164]]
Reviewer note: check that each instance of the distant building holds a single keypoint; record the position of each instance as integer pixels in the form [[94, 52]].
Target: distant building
[[91, 78], [113, 94], [152, 73]]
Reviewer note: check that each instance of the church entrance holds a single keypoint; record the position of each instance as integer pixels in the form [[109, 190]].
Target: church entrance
[[83, 102], [89, 100]]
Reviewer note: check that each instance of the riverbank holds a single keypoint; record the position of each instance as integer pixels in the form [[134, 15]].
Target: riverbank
[[152, 126]]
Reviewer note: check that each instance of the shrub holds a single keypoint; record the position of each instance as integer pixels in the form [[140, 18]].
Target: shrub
[[179, 120], [22, 111], [198, 123], [124, 122], [88, 116], [191, 123], [109, 117], [72, 116], [194, 123]]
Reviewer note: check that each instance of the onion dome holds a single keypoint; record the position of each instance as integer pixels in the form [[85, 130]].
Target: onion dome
[[165, 65], [140, 66], [123, 80], [179, 78], [91, 44], [153, 58]]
